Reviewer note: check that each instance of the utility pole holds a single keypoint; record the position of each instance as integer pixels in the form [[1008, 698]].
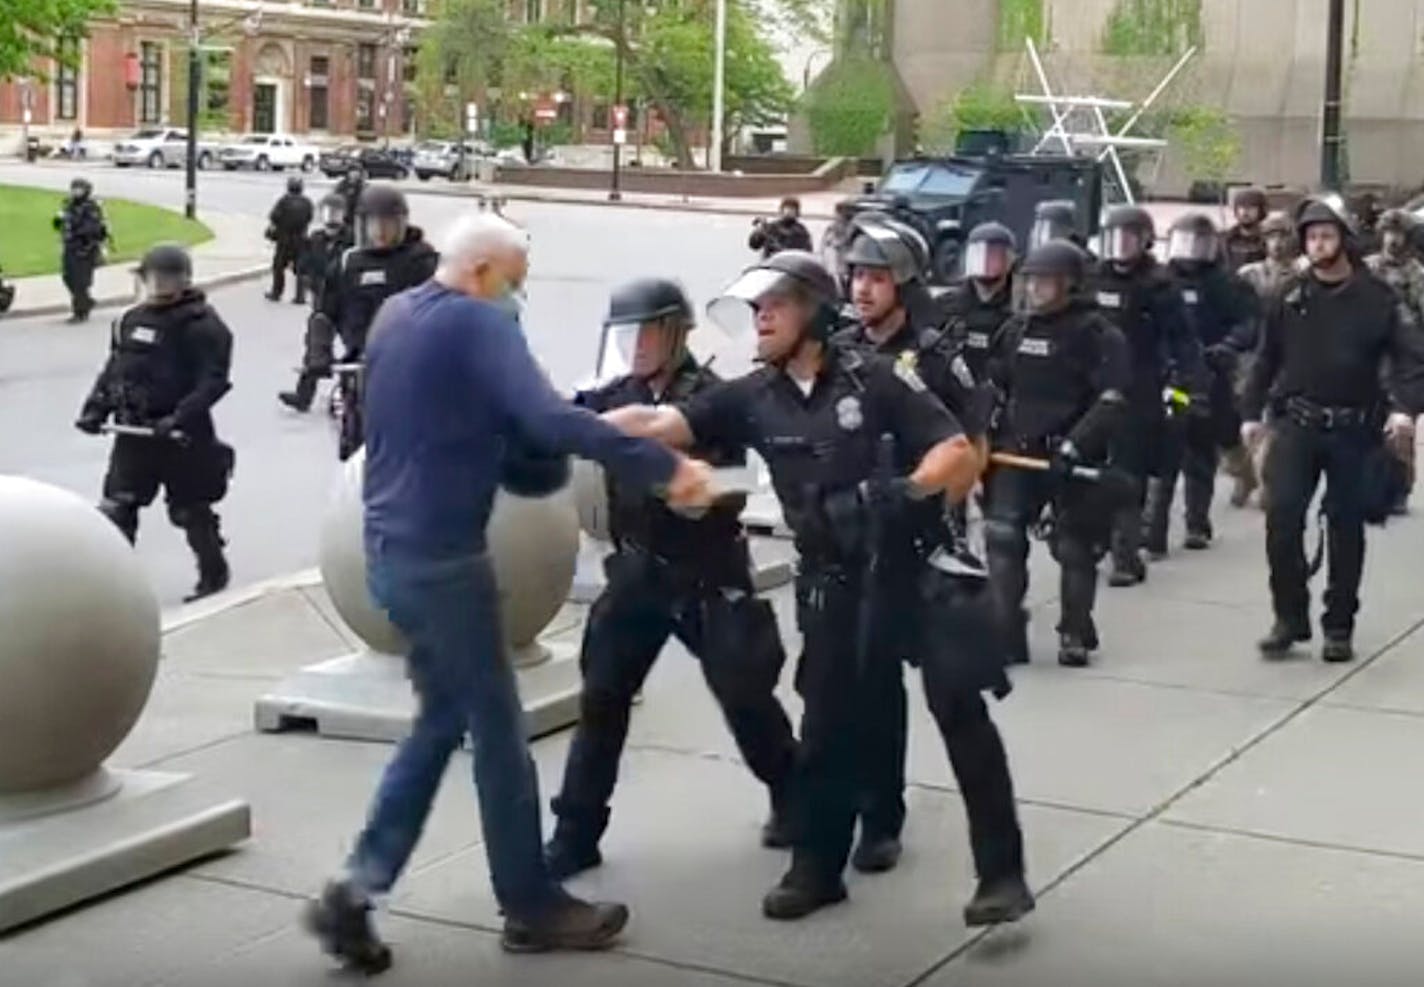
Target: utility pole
[[615, 192], [719, 84], [1332, 140], [190, 173]]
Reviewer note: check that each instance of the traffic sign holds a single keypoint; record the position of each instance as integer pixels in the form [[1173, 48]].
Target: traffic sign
[[620, 136], [472, 117]]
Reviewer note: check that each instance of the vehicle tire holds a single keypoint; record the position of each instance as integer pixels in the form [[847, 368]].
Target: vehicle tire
[[263, 164], [229, 167], [121, 164], [155, 159], [424, 176], [308, 163], [205, 161]]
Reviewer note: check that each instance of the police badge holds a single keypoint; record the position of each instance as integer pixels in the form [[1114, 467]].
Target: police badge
[[848, 413]]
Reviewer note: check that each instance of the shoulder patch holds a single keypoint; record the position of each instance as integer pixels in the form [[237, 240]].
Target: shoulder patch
[[906, 370], [960, 369]]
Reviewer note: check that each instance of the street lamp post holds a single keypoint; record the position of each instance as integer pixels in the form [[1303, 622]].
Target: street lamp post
[[615, 192], [190, 172], [719, 85], [1331, 138]]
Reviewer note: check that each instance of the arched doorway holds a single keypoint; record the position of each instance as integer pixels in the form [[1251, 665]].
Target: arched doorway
[[271, 90]]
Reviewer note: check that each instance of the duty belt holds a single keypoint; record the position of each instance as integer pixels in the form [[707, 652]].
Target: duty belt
[[1307, 413]]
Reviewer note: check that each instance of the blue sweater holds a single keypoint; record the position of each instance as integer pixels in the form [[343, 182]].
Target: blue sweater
[[448, 380]]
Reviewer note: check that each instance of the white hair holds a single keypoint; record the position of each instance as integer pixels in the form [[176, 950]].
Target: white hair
[[477, 236]]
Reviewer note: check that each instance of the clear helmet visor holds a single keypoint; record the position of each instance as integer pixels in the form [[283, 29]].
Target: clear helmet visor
[[1186, 245], [735, 310], [332, 213], [1122, 244], [1044, 291], [1044, 230], [159, 285], [381, 231], [987, 261]]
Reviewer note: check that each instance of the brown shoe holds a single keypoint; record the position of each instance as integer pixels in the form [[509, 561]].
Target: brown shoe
[[568, 924]]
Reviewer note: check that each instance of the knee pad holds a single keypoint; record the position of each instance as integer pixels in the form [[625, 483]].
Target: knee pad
[[192, 516]]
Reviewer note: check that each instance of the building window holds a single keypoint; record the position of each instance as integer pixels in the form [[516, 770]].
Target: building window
[[318, 98], [408, 64], [533, 11], [366, 4], [150, 107], [365, 110], [414, 8], [599, 120], [66, 80], [365, 61]]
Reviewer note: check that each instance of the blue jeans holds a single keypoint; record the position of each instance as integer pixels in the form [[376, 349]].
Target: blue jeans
[[448, 610]]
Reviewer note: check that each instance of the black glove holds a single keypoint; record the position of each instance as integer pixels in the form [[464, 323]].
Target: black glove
[[1064, 460], [89, 424], [165, 427]]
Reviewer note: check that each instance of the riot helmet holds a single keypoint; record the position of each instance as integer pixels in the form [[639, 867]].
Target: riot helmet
[[786, 299], [645, 331], [1327, 211], [1128, 232], [332, 211], [881, 241], [165, 272], [382, 216], [1053, 219], [1053, 273], [1193, 240], [1249, 206], [1396, 229], [80, 189], [989, 252], [294, 185], [355, 173]]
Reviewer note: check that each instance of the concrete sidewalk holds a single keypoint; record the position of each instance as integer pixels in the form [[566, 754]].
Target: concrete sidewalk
[[237, 252], [1194, 815]]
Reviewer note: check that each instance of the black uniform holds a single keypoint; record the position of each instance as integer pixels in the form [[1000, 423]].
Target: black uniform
[[168, 365], [361, 280], [1146, 306], [820, 447], [350, 189], [81, 224], [976, 320], [1223, 310], [1319, 367], [937, 357], [782, 233], [320, 255], [1061, 377], [287, 230], [671, 575]]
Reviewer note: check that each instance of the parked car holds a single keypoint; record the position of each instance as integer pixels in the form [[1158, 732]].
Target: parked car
[[443, 158], [264, 152], [161, 147], [378, 162]]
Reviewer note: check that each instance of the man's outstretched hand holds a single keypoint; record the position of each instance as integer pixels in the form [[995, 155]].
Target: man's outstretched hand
[[691, 484]]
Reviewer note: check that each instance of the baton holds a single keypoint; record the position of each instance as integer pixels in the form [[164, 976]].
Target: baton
[[142, 431], [346, 368], [1089, 473]]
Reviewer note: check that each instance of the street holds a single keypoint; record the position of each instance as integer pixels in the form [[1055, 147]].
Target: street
[[286, 461]]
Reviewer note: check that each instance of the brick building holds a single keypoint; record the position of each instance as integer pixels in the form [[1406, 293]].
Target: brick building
[[337, 68]]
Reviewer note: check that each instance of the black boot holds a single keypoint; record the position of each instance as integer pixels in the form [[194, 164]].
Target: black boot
[[1127, 570], [1155, 519], [300, 399], [1282, 636], [340, 919], [568, 854], [1337, 648], [1006, 899], [802, 891], [777, 832], [1072, 651], [876, 853], [206, 541], [1016, 640], [1198, 537]]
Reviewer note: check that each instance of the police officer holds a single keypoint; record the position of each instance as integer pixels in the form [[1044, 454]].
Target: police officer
[[669, 575], [1062, 370], [81, 225], [887, 261], [324, 247], [1222, 308], [1139, 297], [1397, 264], [352, 184], [817, 415], [390, 256], [287, 229], [1245, 241], [786, 232], [1055, 219], [1325, 341], [978, 306], [169, 363]]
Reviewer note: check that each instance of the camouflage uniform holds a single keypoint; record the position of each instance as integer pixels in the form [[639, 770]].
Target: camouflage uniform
[[1406, 276]]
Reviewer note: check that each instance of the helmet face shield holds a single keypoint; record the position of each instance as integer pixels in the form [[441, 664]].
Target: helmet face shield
[[332, 213], [161, 285], [1044, 230], [382, 231], [735, 310], [986, 261], [1191, 245], [1123, 244]]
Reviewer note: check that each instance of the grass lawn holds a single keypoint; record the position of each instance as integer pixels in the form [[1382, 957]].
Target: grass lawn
[[30, 245]]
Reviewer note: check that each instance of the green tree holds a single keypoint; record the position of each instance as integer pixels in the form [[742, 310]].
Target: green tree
[[850, 106], [979, 106], [1208, 140], [31, 31]]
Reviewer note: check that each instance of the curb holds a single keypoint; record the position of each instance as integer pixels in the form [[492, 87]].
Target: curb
[[114, 298]]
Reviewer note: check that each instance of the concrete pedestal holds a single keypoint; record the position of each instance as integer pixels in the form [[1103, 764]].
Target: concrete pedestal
[[366, 696], [63, 846]]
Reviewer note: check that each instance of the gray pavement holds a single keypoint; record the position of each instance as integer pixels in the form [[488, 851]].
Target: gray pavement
[[1194, 815]]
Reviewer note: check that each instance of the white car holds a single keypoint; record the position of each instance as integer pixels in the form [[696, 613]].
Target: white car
[[161, 147], [264, 152], [443, 158]]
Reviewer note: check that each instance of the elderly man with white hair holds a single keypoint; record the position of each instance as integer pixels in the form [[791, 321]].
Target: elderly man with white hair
[[450, 386]]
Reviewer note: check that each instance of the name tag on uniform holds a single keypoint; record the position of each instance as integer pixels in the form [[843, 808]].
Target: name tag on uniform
[[1189, 295], [978, 340], [1109, 299], [377, 276], [144, 334], [1034, 347]]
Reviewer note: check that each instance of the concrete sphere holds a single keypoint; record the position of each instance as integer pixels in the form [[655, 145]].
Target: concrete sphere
[[81, 637], [533, 546], [591, 495]]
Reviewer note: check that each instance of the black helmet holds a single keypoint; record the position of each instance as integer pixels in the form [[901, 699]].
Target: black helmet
[[1251, 197], [382, 200], [995, 233], [796, 270], [80, 188], [294, 185], [166, 270], [1325, 209], [1193, 239], [805, 268], [989, 252], [1397, 221], [1056, 257], [1125, 219], [332, 209], [1053, 219], [1130, 218], [647, 299], [885, 242]]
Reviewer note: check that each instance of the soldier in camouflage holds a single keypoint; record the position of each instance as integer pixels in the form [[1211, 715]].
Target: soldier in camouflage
[[1399, 267]]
